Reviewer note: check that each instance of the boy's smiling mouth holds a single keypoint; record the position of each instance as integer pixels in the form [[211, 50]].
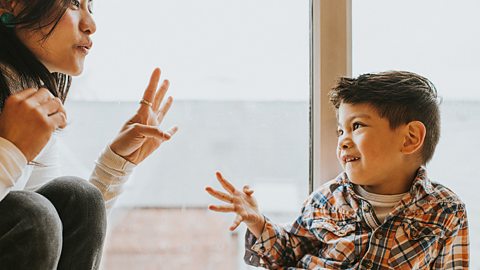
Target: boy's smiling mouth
[[348, 158]]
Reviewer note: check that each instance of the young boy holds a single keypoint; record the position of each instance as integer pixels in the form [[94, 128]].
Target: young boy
[[382, 212]]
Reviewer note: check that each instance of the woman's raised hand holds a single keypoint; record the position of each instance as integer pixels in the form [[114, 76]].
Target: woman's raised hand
[[240, 202], [29, 118], [140, 136]]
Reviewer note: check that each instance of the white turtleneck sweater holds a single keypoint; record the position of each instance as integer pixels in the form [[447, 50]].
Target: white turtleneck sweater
[[109, 175]]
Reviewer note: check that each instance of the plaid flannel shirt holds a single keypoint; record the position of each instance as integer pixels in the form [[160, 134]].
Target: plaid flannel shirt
[[337, 229]]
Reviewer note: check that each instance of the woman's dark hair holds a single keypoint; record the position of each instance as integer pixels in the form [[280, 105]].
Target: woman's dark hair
[[400, 97], [37, 14]]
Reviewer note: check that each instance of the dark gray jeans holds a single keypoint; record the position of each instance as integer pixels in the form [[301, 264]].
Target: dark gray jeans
[[60, 226]]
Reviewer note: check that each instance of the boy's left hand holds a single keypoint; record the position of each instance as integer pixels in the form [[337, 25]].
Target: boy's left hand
[[140, 136], [240, 202]]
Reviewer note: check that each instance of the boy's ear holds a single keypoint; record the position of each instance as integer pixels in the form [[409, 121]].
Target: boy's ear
[[414, 137]]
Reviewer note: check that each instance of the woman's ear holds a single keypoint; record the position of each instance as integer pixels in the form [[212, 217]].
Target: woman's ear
[[414, 137]]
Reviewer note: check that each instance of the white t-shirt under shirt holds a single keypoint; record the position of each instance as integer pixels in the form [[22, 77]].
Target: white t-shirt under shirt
[[382, 204]]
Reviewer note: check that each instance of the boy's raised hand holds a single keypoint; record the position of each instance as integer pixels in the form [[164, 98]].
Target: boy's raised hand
[[240, 202]]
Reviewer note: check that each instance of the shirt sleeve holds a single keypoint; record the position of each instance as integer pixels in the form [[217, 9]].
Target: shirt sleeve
[[281, 246], [454, 253], [46, 165], [110, 174], [12, 163]]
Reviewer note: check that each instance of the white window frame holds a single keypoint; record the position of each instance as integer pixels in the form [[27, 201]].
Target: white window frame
[[330, 58]]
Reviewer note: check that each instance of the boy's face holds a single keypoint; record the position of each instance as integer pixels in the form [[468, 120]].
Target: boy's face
[[368, 149]]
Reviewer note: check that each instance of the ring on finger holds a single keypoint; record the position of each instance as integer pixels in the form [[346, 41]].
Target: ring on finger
[[148, 103]]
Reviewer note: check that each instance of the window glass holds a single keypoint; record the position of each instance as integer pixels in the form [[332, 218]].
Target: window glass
[[239, 73]]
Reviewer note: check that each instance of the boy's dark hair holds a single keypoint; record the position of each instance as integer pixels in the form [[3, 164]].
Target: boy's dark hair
[[399, 96]]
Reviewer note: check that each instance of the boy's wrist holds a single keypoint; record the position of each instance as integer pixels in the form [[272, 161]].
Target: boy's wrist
[[257, 227]]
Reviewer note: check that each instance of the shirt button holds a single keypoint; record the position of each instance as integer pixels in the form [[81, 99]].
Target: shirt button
[[368, 264], [379, 235], [366, 208]]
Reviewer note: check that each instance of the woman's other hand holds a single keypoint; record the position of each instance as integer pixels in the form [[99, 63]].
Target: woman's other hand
[[141, 135], [240, 202], [29, 118]]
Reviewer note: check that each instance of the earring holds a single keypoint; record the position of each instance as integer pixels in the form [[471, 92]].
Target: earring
[[7, 19]]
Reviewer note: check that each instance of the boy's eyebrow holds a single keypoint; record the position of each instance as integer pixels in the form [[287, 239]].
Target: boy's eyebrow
[[362, 115]]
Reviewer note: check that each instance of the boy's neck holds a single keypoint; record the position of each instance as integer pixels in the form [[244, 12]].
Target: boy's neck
[[398, 185]]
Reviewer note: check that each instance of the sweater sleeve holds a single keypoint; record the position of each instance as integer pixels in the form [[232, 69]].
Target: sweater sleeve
[[12, 163], [46, 167], [110, 174]]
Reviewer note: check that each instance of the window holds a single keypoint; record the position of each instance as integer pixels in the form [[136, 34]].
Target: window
[[239, 74], [416, 36]]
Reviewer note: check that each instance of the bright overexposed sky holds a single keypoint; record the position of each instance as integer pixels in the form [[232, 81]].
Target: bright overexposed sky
[[259, 49]]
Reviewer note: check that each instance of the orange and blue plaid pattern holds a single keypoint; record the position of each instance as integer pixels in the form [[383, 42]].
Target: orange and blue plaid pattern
[[339, 230]]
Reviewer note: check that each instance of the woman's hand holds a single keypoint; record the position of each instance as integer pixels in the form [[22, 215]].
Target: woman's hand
[[140, 136], [29, 118], [240, 202]]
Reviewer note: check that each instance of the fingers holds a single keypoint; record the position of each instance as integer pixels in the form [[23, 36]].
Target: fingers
[[236, 222], [172, 131], [151, 131], [247, 190], [59, 120], [222, 208], [160, 95], [164, 110], [26, 93], [149, 93], [52, 106], [41, 96], [219, 195], [225, 184]]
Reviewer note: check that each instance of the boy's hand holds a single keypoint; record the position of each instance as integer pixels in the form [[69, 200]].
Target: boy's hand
[[240, 202]]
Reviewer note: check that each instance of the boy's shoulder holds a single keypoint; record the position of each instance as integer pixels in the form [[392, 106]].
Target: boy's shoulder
[[424, 189], [335, 191], [444, 196]]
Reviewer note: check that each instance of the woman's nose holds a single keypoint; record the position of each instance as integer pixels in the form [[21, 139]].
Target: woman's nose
[[87, 24]]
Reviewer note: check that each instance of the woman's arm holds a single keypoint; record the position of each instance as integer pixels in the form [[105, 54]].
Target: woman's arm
[[12, 163], [110, 174]]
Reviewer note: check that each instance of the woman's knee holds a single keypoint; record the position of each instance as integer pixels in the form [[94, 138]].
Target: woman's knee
[[30, 227], [75, 198], [73, 190]]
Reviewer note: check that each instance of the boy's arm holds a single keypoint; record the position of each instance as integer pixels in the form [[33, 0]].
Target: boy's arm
[[276, 246], [280, 246], [454, 253]]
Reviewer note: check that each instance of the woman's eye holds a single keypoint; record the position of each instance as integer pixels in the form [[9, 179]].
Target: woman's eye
[[75, 3], [90, 6]]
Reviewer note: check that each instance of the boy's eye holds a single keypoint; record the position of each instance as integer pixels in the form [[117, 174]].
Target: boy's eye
[[339, 132], [356, 126]]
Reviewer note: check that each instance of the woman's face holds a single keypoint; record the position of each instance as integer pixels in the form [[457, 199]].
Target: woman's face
[[65, 49]]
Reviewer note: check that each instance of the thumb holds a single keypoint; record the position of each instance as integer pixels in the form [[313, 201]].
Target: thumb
[[150, 131]]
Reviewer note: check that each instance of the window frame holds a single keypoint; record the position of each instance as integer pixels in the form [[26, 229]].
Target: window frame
[[330, 58]]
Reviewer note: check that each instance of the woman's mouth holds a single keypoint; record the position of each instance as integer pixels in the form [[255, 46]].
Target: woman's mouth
[[83, 49]]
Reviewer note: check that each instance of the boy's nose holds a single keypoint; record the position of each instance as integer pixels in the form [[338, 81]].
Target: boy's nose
[[344, 144]]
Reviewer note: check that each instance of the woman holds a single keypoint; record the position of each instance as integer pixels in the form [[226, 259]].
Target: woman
[[48, 221]]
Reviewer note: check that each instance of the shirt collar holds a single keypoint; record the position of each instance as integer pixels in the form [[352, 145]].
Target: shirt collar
[[421, 185]]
